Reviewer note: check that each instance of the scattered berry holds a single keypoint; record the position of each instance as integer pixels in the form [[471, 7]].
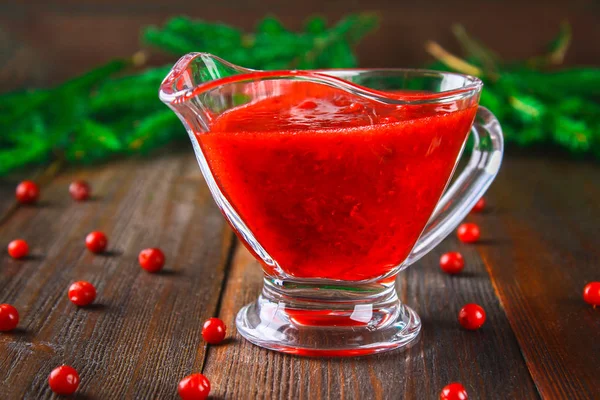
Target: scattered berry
[[63, 380], [152, 260], [18, 248], [468, 233], [27, 192], [471, 316], [591, 293], [454, 391], [96, 242], [214, 331], [479, 206], [452, 262], [82, 293], [194, 387], [80, 190], [9, 317]]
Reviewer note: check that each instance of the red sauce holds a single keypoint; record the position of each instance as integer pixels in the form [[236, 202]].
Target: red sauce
[[331, 185]]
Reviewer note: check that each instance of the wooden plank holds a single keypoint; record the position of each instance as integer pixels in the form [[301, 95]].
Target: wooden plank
[[144, 332], [7, 196], [488, 362], [545, 249]]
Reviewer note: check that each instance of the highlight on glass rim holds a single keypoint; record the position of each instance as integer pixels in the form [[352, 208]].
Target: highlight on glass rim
[[274, 200]]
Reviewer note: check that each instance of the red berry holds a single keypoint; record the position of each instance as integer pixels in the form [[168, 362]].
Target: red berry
[[152, 260], [479, 206], [591, 293], [454, 391], [468, 233], [452, 262], [63, 380], [18, 248], [9, 317], [194, 387], [80, 190], [96, 242], [214, 331], [471, 316], [27, 192], [82, 293]]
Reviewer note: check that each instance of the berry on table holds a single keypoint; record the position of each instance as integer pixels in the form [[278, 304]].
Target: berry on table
[[18, 248], [152, 259], [454, 391], [96, 242], [80, 190], [214, 331], [63, 380], [479, 206], [82, 293], [194, 387], [9, 318], [591, 293], [468, 233], [452, 262], [471, 316], [27, 192]]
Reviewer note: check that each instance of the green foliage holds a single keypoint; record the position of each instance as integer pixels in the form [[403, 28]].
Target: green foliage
[[114, 109], [536, 104]]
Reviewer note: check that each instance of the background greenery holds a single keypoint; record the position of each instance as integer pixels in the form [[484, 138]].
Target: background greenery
[[114, 109]]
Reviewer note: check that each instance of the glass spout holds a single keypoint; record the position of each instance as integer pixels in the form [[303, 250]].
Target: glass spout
[[184, 89]]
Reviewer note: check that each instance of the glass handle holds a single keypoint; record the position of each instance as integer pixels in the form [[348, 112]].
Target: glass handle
[[468, 188]]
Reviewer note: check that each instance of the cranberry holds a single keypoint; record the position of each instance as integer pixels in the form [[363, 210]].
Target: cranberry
[[18, 248], [64, 380], [591, 293], [194, 387], [214, 331], [152, 260], [452, 262], [471, 316], [468, 233], [454, 391], [479, 206], [80, 190], [96, 242], [82, 293], [9, 318], [27, 192]]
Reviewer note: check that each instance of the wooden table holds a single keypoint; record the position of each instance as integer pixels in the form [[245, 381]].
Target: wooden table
[[540, 246]]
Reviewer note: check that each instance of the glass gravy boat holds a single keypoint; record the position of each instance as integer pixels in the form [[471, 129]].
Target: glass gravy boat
[[335, 180]]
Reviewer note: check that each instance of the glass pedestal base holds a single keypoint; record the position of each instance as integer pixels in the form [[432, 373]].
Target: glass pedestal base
[[328, 321]]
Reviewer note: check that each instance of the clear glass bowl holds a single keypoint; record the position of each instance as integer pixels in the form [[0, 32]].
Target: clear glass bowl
[[335, 180]]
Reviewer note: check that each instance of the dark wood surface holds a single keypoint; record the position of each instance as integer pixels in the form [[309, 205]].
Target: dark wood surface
[[45, 42], [539, 248]]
